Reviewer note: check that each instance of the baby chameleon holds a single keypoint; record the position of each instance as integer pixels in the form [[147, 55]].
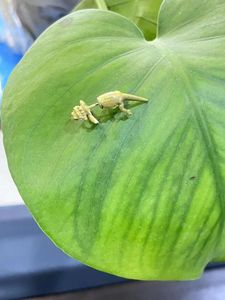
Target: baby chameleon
[[107, 100], [116, 99]]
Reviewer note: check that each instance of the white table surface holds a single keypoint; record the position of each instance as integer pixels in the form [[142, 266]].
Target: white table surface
[[8, 191]]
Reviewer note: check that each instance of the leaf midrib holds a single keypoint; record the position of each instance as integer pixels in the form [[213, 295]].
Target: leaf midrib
[[199, 117]]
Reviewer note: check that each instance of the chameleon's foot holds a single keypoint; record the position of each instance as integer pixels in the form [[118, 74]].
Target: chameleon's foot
[[78, 113], [83, 112], [126, 111]]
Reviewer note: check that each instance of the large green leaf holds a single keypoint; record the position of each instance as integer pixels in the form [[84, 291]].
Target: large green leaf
[[143, 13], [141, 197]]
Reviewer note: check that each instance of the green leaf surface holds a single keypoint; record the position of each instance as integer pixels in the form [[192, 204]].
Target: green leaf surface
[[140, 197], [143, 13]]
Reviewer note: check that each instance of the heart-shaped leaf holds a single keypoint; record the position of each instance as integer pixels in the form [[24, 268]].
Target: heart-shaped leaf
[[141, 197], [143, 13]]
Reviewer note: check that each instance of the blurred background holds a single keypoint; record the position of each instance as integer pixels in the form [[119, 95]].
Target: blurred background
[[21, 22]]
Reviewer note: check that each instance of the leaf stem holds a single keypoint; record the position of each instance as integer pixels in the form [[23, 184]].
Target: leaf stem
[[101, 4]]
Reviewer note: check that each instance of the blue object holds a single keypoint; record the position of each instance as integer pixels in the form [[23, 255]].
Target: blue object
[[8, 60]]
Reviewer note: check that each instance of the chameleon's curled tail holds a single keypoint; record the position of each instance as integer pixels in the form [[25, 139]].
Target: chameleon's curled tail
[[134, 98]]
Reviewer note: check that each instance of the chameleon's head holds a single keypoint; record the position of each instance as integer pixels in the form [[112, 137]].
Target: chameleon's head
[[110, 99]]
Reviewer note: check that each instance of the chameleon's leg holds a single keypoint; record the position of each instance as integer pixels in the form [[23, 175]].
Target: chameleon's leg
[[88, 113], [92, 119], [123, 109], [93, 105]]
